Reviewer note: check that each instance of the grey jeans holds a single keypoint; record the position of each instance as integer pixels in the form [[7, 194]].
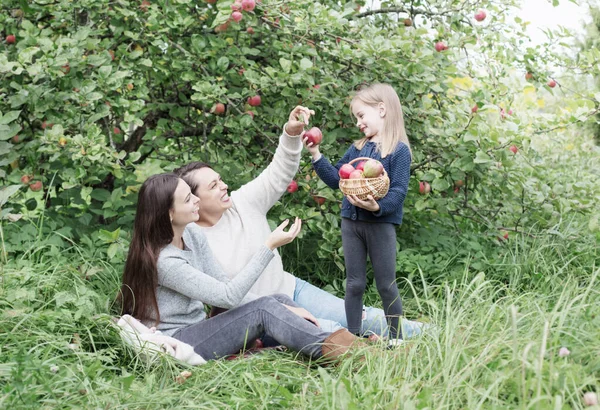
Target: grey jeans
[[229, 332], [378, 241]]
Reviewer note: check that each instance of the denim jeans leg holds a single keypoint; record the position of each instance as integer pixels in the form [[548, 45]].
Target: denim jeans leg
[[324, 305]]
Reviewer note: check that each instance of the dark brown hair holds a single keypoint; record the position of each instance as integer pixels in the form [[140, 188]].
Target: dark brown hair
[[185, 173], [152, 231]]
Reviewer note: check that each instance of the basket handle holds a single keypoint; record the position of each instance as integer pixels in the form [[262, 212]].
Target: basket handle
[[358, 159]]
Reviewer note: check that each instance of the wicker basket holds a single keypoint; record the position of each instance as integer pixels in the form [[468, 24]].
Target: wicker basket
[[363, 187]]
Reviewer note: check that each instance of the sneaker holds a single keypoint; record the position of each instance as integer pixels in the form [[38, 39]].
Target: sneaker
[[393, 343]]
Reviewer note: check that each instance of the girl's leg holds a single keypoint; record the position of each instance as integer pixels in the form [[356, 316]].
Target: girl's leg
[[229, 332], [381, 240], [355, 258]]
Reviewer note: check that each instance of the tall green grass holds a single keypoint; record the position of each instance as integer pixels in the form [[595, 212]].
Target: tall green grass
[[493, 345]]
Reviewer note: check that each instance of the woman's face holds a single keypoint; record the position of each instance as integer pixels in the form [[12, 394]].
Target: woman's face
[[185, 205], [212, 191]]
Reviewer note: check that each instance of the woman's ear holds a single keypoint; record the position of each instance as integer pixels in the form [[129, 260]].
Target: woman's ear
[[171, 214], [382, 110]]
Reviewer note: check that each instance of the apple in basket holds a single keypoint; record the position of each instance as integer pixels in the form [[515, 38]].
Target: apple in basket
[[361, 165], [356, 174], [372, 169], [345, 171]]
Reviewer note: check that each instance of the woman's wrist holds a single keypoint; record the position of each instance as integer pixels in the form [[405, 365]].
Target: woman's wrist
[[316, 156]]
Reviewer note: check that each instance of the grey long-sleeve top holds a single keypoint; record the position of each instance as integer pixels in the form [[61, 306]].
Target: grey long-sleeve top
[[190, 277]]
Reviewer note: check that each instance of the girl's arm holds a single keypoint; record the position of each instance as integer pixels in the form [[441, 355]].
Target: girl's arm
[[324, 169]]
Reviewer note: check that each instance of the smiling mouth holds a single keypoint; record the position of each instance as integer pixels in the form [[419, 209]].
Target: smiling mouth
[[225, 198]]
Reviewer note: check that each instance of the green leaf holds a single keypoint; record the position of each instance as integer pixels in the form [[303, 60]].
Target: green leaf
[[286, 65], [440, 184], [223, 63], [9, 117], [7, 192], [305, 64], [482, 158]]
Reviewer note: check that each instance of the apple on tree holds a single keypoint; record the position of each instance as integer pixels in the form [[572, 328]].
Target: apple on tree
[[254, 101], [514, 149], [10, 39], [480, 15], [424, 188], [36, 186], [551, 83], [292, 187], [440, 46], [319, 199]]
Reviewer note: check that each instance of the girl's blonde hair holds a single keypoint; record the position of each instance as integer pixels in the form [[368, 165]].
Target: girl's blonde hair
[[393, 130]]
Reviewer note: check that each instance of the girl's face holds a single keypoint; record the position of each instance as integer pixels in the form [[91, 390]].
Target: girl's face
[[185, 205], [369, 119]]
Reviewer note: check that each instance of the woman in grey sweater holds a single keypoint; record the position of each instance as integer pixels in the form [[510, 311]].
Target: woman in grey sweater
[[171, 272]]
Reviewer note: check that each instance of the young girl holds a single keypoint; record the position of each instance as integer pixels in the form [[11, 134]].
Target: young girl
[[369, 226], [170, 273]]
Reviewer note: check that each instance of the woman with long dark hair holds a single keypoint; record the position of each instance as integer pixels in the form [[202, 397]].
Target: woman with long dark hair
[[171, 272]]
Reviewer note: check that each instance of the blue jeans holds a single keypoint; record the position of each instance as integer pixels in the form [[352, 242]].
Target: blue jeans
[[328, 308]]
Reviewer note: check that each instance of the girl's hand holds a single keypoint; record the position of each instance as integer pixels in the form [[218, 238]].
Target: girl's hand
[[298, 119], [369, 204], [303, 313], [313, 149], [279, 237]]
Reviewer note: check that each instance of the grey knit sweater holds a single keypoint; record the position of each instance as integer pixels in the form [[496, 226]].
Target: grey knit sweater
[[190, 277]]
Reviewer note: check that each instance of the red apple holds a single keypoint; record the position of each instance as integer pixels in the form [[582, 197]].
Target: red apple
[[116, 130], [356, 174], [424, 188], [236, 16], [47, 125], [25, 179], [314, 135], [292, 187], [254, 101], [250, 30], [372, 168], [218, 108], [345, 171], [551, 83], [248, 5], [407, 22], [319, 199], [361, 165], [236, 6], [514, 149], [10, 39], [250, 113], [222, 27], [144, 5], [474, 109], [529, 76], [338, 40], [480, 15], [36, 186], [459, 183], [440, 46]]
